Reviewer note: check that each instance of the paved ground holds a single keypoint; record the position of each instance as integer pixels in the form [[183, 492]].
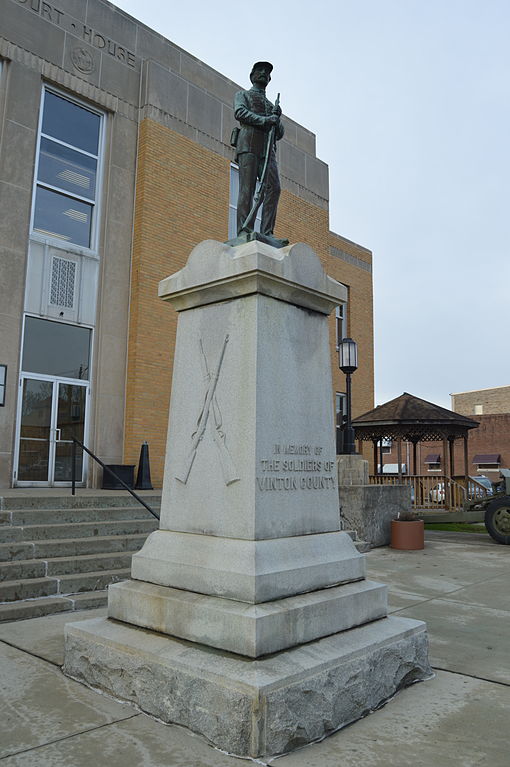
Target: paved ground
[[459, 584]]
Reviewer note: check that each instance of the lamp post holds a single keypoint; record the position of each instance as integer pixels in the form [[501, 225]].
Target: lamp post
[[348, 363]]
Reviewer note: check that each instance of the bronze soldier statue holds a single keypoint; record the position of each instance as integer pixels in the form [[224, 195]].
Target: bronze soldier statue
[[255, 142]]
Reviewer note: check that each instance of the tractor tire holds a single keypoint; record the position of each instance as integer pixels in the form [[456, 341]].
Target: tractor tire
[[497, 519]]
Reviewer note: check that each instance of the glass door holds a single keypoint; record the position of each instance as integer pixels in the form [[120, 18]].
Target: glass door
[[70, 422], [52, 412], [35, 431]]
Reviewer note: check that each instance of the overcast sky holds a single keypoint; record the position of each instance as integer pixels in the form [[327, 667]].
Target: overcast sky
[[409, 100]]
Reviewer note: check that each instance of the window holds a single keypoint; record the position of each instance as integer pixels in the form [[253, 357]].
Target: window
[[341, 323], [57, 349], [433, 462], [341, 412], [232, 208], [478, 410], [66, 187], [3, 377], [386, 445], [487, 461]]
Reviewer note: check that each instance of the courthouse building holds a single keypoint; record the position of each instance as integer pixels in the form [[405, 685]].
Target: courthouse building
[[115, 161]]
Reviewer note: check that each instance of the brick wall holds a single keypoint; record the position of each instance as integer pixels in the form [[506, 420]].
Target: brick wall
[[495, 400], [181, 199]]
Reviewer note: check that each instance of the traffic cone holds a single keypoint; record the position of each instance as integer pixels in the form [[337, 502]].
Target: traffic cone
[[143, 478]]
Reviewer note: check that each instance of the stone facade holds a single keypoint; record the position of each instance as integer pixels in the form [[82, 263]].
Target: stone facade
[[163, 186]]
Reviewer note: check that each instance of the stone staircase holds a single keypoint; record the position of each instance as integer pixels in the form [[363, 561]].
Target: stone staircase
[[59, 553]]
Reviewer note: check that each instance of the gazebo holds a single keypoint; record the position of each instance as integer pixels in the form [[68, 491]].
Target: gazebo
[[411, 419]]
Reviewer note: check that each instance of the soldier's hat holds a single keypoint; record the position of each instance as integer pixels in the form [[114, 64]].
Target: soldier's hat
[[266, 64]]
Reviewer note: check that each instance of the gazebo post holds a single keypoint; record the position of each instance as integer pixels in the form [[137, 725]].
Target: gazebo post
[[414, 457], [466, 464], [446, 464], [452, 456], [452, 466], [399, 459], [374, 445]]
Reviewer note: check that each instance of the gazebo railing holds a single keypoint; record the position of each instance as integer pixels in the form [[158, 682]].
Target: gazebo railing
[[434, 492]]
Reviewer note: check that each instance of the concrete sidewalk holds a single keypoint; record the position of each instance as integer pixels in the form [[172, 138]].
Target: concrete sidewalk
[[460, 585]]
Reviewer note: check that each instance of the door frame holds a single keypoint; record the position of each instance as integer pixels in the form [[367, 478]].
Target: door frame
[[55, 380]]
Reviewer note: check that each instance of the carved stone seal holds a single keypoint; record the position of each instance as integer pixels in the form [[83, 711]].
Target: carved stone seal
[[83, 60]]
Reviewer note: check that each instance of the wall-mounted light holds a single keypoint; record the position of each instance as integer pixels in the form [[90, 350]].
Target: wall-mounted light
[[3, 380]]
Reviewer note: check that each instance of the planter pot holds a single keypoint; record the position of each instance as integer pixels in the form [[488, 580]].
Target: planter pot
[[408, 536]]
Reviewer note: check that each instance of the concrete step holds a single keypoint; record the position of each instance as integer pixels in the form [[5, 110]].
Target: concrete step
[[23, 569], [12, 551], [89, 563], [47, 501], [17, 590], [68, 547], [83, 529], [40, 568], [74, 583], [35, 608], [23, 517], [59, 553], [10, 534], [95, 581]]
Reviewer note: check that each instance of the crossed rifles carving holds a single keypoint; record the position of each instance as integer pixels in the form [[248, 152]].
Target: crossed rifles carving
[[210, 404]]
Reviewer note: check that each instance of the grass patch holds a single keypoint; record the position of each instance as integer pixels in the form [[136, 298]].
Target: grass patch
[[457, 527]]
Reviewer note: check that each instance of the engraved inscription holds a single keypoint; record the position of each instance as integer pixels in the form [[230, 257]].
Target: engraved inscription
[[54, 15], [210, 405], [307, 471]]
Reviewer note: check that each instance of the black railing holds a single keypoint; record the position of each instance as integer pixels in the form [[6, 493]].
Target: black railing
[[105, 468]]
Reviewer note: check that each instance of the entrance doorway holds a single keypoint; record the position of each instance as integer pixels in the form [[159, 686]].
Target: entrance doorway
[[52, 412], [54, 388]]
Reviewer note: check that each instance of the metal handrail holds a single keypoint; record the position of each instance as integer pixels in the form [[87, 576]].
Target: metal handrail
[[105, 468]]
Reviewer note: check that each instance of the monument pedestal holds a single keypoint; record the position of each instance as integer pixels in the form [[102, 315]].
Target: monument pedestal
[[258, 707], [248, 617]]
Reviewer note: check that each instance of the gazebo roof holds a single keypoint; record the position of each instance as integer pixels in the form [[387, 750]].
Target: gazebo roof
[[411, 418]]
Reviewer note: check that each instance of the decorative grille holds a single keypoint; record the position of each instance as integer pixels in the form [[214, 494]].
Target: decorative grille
[[63, 274]]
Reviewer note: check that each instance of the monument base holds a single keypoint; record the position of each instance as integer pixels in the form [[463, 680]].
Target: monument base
[[254, 708], [245, 629]]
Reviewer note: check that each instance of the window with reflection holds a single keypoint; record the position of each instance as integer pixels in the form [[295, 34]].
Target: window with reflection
[[56, 349], [67, 170]]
